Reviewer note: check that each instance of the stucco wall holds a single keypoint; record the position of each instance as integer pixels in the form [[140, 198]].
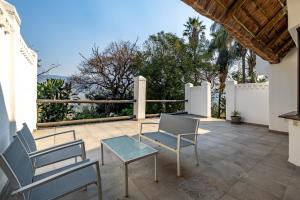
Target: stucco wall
[[18, 70], [251, 100], [294, 18], [199, 99], [283, 90]]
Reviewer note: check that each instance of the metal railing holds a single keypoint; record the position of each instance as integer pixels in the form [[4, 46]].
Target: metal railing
[[95, 120], [165, 101], [83, 101]]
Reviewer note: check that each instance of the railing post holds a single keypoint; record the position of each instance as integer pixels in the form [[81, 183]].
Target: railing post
[[187, 96], [199, 99], [230, 98], [206, 87], [139, 107]]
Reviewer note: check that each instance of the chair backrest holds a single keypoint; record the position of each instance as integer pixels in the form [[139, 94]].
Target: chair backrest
[[17, 166], [175, 125], [27, 138]]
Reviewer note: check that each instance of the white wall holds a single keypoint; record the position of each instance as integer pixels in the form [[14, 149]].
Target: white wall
[[199, 99], [251, 100], [18, 69], [283, 90], [261, 66], [293, 18]]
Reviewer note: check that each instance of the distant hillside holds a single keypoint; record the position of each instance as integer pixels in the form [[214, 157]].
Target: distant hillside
[[43, 78]]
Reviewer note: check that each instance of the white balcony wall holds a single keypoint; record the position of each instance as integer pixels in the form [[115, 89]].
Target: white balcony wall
[[283, 90], [18, 70], [199, 99], [251, 100]]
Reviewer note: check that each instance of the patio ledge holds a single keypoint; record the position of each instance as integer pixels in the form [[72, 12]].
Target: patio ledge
[[291, 115]]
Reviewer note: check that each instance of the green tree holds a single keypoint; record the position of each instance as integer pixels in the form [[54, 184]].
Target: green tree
[[251, 60], [197, 42], [54, 89], [221, 45], [241, 52], [164, 69]]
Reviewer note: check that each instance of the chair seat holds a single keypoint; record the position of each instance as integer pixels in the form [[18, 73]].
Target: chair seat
[[166, 139], [59, 155], [64, 184]]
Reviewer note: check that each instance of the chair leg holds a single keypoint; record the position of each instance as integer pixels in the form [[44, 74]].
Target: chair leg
[[102, 154], [196, 154], [178, 163], [83, 151], [99, 187]]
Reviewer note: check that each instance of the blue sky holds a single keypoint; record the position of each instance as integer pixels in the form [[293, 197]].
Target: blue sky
[[61, 29]]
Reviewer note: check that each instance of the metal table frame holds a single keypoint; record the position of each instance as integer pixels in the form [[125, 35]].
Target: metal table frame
[[130, 161]]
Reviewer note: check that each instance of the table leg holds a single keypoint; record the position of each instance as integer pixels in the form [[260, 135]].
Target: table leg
[[126, 180], [102, 159], [155, 168]]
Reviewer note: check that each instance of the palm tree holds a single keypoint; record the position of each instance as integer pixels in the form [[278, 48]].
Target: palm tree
[[194, 30], [221, 45], [251, 60], [241, 52]]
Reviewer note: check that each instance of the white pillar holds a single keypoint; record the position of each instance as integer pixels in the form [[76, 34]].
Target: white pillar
[[206, 88], [230, 98], [199, 99], [139, 107], [294, 138], [187, 96]]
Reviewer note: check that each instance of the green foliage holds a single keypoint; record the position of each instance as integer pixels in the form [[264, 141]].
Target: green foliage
[[218, 108], [167, 62], [163, 68], [235, 113], [221, 46], [54, 89], [126, 111], [87, 112], [198, 61]]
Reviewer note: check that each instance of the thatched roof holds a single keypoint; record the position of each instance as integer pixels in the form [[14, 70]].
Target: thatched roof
[[260, 25]]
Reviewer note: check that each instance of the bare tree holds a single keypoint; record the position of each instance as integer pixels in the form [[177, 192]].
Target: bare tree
[[45, 70], [108, 73]]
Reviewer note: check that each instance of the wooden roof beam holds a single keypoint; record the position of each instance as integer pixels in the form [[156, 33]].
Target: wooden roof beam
[[280, 14], [252, 19], [233, 7], [274, 40], [283, 49], [281, 3]]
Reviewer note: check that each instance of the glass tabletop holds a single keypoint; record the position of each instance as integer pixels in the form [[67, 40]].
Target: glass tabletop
[[127, 148]]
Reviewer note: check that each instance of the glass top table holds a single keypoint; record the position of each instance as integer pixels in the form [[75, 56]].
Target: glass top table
[[128, 150]]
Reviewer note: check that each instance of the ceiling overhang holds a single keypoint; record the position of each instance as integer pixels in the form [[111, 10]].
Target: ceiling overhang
[[260, 25]]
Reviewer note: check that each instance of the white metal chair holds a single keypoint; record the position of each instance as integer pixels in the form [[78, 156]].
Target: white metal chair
[[53, 154], [25, 185], [174, 132]]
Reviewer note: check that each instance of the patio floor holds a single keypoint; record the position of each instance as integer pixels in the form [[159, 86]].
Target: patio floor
[[237, 162]]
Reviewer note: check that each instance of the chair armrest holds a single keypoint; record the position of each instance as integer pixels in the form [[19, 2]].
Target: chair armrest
[[145, 123], [50, 150], [185, 134], [150, 123], [55, 176], [55, 147], [55, 134]]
